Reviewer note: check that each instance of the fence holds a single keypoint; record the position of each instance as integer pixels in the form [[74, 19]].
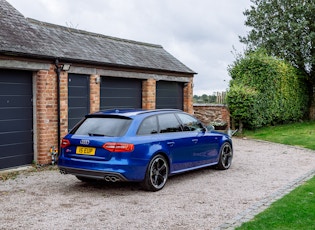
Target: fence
[[220, 97], [215, 98]]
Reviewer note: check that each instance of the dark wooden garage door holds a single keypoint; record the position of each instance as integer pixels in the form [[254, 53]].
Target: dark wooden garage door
[[169, 95], [16, 118], [121, 93], [78, 98]]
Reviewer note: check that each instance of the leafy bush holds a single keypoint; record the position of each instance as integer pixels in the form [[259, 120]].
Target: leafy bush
[[266, 91]]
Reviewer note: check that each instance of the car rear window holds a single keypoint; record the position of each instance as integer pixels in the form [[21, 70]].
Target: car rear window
[[103, 126]]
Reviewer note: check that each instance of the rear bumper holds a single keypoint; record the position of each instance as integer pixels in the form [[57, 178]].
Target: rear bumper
[[111, 177], [113, 170]]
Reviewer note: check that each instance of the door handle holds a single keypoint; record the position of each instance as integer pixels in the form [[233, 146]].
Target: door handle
[[194, 140], [171, 143]]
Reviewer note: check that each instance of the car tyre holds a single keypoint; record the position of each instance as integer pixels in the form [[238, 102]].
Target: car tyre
[[226, 155], [156, 174]]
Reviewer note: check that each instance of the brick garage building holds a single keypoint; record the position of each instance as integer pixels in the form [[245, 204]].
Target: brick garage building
[[40, 100]]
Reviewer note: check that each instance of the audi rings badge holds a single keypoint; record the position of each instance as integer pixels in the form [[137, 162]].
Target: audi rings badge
[[84, 142]]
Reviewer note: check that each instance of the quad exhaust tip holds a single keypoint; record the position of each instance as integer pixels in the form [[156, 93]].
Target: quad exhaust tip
[[62, 171], [111, 178]]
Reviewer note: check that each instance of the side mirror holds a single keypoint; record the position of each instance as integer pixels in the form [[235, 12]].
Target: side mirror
[[210, 127]]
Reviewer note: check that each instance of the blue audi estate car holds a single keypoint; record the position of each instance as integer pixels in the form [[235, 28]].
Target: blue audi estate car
[[146, 146]]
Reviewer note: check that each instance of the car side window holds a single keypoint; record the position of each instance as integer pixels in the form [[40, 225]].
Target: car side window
[[148, 126], [169, 123], [190, 123]]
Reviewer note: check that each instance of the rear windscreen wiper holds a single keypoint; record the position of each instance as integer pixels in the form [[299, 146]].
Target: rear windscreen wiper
[[96, 135]]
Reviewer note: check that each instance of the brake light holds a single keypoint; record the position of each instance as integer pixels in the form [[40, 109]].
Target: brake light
[[65, 143], [118, 147]]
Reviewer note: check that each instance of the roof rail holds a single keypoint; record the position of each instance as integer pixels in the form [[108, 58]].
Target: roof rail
[[137, 110]]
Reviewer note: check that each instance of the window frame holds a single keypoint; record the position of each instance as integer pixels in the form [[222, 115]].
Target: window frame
[[142, 122]]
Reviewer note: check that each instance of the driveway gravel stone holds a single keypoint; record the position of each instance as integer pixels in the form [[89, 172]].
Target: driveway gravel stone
[[261, 172]]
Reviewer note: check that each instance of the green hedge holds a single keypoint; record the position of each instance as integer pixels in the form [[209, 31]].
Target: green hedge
[[266, 91]]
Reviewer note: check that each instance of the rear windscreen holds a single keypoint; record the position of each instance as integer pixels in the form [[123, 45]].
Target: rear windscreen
[[103, 126]]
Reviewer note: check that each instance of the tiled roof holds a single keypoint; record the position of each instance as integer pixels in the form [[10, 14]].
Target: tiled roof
[[29, 37]]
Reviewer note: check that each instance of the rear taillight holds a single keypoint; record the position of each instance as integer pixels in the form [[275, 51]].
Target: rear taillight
[[65, 143], [118, 147]]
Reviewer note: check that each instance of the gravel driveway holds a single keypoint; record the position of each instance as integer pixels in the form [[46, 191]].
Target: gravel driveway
[[202, 199]]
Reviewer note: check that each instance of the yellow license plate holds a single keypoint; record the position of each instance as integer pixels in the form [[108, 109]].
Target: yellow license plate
[[85, 150]]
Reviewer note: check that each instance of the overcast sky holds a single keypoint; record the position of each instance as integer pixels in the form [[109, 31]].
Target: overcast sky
[[199, 33]]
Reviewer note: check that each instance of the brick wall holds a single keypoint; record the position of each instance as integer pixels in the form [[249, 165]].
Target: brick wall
[[95, 93], [46, 114], [188, 97], [63, 103], [212, 113], [148, 94]]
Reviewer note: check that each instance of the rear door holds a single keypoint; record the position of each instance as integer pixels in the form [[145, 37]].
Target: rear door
[[180, 144]]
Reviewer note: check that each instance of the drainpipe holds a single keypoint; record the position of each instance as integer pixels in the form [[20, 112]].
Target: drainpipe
[[58, 71]]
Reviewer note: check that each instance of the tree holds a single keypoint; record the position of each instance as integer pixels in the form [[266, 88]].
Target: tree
[[205, 98], [265, 91], [286, 29]]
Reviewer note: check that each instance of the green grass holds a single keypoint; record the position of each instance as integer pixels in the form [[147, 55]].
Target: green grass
[[297, 209], [297, 134], [294, 211]]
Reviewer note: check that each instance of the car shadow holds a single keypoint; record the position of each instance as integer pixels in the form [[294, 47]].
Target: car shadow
[[191, 175], [104, 185], [125, 188]]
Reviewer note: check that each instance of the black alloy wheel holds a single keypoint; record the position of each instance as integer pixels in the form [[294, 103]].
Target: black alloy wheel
[[226, 155], [157, 174]]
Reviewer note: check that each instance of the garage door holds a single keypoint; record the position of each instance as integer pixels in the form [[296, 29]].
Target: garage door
[[78, 98], [16, 118], [121, 93], [169, 95]]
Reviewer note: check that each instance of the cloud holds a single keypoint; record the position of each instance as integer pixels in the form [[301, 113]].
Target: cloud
[[200, 33]]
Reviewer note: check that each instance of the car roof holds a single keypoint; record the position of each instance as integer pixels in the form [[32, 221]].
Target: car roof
[[131, 112]]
